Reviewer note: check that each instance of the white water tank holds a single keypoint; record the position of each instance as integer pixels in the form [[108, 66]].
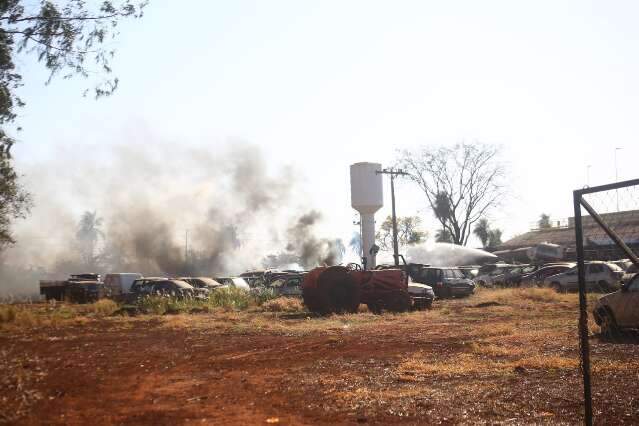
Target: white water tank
[[367, 197]]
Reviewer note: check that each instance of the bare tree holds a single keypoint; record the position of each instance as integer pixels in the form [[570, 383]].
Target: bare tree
[[461, 183]]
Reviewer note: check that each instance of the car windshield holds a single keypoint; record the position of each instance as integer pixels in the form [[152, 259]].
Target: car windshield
[[456, 273]]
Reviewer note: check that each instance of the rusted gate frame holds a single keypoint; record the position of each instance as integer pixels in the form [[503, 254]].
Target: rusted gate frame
[[584, 344]]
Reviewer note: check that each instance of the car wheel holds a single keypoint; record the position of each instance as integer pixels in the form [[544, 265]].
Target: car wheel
[[604, 287], [557, 287], [608, 324]]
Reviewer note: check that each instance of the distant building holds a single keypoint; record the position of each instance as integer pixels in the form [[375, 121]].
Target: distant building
[[597, 244]]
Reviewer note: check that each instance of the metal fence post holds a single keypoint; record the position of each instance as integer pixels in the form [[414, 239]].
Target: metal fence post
[[583, 314]]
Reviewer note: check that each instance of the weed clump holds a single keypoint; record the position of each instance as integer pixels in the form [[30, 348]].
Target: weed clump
[[284, 304], [104, 307]]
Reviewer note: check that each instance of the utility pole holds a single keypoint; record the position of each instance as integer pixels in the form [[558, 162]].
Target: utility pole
[[394, 172], [617, 176], [186, 246]]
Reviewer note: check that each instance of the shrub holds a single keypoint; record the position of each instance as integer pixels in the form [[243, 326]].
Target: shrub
[[104, 307], [8, 313], [262, 294], [231, 297], [284, 304]]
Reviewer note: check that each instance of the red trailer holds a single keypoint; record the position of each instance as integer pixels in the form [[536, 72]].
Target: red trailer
[[342, 288]]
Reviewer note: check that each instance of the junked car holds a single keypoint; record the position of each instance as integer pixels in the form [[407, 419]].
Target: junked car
[[493, 274], [600, 276], [203, 282], [164, 287], [536, 278], [618, 311], [236, 282], [630, 273], [445, 282], [288, 285], [422, 295]]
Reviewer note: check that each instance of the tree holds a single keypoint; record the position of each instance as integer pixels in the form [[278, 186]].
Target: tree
[[482, 231], [461, 183], [408, 232], [14, 201], [443, 236], [65, 38], [544, 221], [494, 238], [88, 235], [356, 243]]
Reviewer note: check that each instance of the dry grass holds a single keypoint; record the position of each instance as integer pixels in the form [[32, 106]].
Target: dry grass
[[284, 304], [480, 362], [104, 307], [493, 350]]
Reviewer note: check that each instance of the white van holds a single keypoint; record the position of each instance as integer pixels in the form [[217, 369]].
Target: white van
[[117, 284]]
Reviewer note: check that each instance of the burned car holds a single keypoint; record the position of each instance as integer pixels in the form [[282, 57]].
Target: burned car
[[85, 288], [618, 311], [203, 282], [79, 288], [288, 285], [237, 282], [163, 287]]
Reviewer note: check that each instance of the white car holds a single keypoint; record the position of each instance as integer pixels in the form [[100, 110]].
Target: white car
[[600, 276]]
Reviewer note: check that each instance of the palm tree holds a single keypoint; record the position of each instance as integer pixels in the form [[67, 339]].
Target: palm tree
[[88, 234], [482, 231]]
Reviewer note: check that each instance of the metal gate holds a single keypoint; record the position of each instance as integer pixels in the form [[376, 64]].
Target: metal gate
[[609, 230]]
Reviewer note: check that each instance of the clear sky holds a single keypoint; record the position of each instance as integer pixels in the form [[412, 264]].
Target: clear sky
[[321, 85]]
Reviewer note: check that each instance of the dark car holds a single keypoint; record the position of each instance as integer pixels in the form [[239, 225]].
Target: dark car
[[85, 288], [446, 282]]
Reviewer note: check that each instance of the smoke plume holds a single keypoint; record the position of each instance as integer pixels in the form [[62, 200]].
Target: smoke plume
[[165, 211]]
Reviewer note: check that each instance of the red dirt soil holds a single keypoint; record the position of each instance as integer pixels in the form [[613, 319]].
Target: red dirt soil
[[140, 371]]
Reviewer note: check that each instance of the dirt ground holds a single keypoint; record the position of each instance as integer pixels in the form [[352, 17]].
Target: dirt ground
[[497, 357]]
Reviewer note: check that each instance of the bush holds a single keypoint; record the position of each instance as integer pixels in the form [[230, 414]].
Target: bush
[[262, 294], [284, 304], [104, 307], [231, 297], [8, 313]]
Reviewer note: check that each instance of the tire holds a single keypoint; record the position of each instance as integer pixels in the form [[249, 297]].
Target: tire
[[398, 302], [608, 326], [374, 308], [604, 287], [557, 287]]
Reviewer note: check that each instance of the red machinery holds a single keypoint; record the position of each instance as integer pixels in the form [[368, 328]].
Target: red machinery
[[342, 288]]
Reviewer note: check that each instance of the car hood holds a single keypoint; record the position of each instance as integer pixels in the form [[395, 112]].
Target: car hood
[[419, 288], [603, 300]]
